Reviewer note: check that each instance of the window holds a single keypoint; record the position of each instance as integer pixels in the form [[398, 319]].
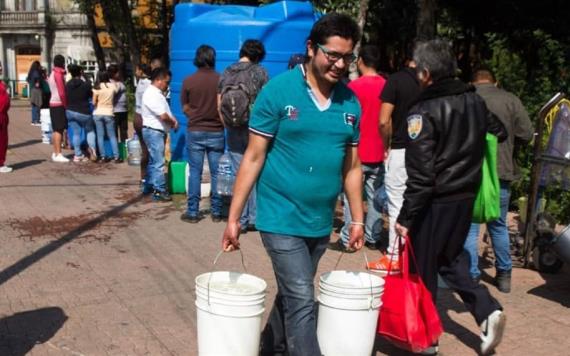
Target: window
[[25, 5]]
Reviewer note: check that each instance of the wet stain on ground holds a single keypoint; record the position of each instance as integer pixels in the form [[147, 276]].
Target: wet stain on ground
[[99, 230]]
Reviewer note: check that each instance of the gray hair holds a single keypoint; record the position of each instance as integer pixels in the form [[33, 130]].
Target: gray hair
[[435, 56]]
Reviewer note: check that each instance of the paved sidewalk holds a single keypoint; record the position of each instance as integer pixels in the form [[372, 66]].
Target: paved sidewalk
[[89, 267]]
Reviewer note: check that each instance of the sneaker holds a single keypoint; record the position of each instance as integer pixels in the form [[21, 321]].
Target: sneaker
[[383, 265], [492, 330], [338, 245], [80, 159], [161, 196], [216, 218], [251, 227], [59, 158], [192, 219], [92, 154], [6, 169], [432, 350], [117, 160], [503, 281]]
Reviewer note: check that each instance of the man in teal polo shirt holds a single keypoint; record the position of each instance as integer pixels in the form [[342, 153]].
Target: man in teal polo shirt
[[302, 151]]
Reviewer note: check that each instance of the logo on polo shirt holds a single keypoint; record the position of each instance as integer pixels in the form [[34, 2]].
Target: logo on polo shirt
[[292, 112], [349, 119]]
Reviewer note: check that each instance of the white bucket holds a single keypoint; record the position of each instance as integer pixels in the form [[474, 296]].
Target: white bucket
[[348, 301], [230, 307]]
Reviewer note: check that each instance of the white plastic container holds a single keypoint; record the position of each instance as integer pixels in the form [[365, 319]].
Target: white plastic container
[[348, 301], [229, 306]]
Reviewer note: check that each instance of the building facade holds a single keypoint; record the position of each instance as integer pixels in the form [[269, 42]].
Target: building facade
[[37, 30]]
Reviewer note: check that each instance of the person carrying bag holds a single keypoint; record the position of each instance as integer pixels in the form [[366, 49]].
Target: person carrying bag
[[408, 316]]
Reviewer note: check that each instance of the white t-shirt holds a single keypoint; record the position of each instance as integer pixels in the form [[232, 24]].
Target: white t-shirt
[[154, 104], [141, 87]]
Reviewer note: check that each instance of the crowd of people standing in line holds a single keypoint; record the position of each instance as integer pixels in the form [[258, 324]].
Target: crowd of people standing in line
[[415, 139]]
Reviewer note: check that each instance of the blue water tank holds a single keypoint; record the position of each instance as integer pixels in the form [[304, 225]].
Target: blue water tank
[[283, 27]]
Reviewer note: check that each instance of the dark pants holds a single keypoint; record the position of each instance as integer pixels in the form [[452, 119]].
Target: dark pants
[[121, 126], [3, 138], [137, 125], [292, 325], [438, 237]]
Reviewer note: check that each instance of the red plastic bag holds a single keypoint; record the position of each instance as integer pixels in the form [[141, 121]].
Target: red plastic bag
[[408, 317]]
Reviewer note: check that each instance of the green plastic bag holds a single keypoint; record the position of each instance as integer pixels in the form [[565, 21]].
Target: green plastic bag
[[487, 205]]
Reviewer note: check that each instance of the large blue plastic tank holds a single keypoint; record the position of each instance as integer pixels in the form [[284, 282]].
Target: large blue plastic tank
[[283, 27]]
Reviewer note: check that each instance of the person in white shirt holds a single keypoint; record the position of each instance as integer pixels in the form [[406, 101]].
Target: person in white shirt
[[157, 119]]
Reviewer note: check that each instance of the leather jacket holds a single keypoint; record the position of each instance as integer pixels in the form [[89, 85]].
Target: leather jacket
[[446, 128]]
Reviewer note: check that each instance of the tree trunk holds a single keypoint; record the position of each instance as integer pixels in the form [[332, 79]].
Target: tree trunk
[[133, 42], [107, 8], [361, 21], [99, 54], [426, 24], [164, 14]]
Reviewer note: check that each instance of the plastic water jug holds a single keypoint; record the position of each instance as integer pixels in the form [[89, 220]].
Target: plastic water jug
[[134, 151], [225, 183]]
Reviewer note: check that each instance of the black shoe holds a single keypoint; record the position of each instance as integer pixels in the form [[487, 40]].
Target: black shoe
[[371, 245], [216, 218], [243, 230], [117, 160], [251, 227], [107, 159], [339, 246], [503, 281], [161, 196], [192, 219]]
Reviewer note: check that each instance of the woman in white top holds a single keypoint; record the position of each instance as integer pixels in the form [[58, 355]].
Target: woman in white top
[[103, 94]]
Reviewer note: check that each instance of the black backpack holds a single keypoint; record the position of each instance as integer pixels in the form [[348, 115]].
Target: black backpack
[[237, 96]]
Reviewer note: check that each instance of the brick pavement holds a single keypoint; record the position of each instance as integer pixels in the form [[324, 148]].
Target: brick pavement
[[88, 267]]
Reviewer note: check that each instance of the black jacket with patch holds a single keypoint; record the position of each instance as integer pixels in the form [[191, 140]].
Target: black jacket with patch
[[446, 129]]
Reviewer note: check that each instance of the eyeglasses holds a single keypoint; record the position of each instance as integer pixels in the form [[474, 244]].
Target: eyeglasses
[[335, 57]]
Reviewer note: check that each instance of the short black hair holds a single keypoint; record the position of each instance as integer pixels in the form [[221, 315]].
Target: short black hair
[[253, 50], [145, 68], [483, 72], [59, 61], [205, 57], [334, 24], [74, 70], [159, 73], [370, 55]]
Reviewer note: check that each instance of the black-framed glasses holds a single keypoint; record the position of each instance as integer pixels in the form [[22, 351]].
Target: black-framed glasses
[[335, 56]]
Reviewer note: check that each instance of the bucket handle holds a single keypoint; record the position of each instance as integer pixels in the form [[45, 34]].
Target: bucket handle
[[214, 264], [371, 298]]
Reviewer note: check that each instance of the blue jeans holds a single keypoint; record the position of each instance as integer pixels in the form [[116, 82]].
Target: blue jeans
[[106, 124], [199, 143], [155, 141], [499, 233], [373, 175], [35, 114], [292, 324], [237, 143], [76, 122]]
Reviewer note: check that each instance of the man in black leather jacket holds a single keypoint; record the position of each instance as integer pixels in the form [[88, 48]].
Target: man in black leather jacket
[[446, 128]]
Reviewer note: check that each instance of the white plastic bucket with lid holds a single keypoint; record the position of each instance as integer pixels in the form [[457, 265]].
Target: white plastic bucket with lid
[[348, 301], [229, 307]]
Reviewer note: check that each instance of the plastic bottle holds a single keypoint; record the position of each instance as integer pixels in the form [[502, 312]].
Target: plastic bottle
[[225, 182], [134, 151]]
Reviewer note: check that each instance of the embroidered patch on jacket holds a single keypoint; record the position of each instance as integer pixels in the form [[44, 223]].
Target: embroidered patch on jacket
[[349, 119], [414, 126], [292, 112]]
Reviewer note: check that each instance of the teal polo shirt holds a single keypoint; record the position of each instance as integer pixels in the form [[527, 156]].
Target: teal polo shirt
[[299, 183]]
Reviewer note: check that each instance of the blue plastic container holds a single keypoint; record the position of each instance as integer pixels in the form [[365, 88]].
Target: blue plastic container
[[283, 27]]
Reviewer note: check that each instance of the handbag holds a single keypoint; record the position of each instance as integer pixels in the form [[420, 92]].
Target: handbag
[[487, 205], [408, 317]]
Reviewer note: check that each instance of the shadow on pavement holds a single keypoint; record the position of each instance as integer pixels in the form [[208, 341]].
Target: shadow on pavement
[[556, 287], [53, 246], [23, 144], [22, 331], [25, 164]]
